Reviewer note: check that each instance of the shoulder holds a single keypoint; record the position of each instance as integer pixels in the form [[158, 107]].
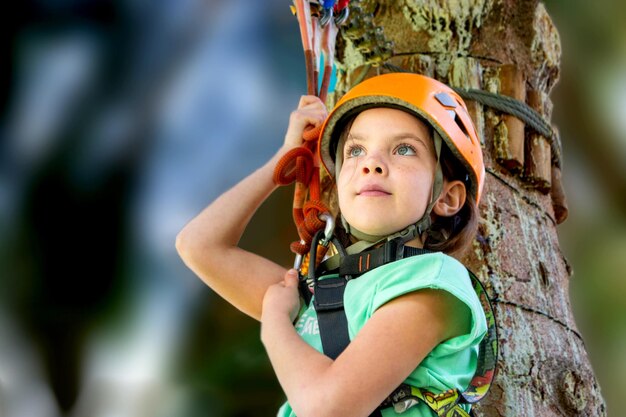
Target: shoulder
[[445, 314], [435, 271], [440, 282]]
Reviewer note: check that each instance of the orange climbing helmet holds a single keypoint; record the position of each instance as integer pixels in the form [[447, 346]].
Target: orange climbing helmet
[[430, 100]]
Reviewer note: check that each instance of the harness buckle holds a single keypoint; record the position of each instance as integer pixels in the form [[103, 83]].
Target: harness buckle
[[403, 405], [394, 250], [329, 294]]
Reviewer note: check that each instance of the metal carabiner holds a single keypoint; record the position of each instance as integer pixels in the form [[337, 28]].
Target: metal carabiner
[[297, 262], [327, 11], [329, 229]]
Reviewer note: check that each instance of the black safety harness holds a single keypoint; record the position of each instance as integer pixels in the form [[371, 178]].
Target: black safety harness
[[327, 294]]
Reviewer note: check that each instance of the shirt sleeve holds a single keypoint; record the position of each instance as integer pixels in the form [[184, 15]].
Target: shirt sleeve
[[433, 271]]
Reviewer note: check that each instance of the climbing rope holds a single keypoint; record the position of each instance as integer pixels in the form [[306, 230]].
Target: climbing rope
[[319, 22], [300, 165]]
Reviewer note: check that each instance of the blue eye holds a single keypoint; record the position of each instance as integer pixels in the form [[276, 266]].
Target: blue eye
[[354, 151], [405, 150]]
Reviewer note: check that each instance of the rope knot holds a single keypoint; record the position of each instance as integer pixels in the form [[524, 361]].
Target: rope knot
[[300, 165], [295, 165]]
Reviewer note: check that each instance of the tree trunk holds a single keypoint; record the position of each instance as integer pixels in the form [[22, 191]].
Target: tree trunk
[[511, 48]]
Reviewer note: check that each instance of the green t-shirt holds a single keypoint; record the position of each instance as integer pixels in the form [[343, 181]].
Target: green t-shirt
[[452, 363]]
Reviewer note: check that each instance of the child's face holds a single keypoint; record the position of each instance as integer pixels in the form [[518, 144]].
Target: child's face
[[387, 173]]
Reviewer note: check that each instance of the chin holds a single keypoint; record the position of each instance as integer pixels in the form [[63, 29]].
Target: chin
[[372, 226], [382, 230], [378, 222]]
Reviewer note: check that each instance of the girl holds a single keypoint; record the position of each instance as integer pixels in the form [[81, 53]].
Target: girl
[[408, 169]]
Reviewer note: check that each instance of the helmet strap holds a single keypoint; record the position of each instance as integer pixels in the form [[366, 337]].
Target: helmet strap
[[423, 224], [359, 234]]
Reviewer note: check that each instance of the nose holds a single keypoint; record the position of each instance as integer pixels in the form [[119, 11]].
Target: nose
[[367, 170], [373, 165]]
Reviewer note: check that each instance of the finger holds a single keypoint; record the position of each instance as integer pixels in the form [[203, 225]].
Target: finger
[[303, 118], [309, 101], [317, 107], [316, 112], [314, 108], [315, 119], [291, 278]]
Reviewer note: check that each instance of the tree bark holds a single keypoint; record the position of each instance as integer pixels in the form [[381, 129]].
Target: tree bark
[[509, 47]]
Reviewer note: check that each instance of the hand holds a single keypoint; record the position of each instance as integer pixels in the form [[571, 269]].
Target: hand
[[282, 299], [310, 112]]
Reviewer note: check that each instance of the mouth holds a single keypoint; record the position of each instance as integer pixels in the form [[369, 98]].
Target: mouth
[[373, 191]]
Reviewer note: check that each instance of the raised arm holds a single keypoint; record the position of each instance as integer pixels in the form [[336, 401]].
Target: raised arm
[[208, 243]]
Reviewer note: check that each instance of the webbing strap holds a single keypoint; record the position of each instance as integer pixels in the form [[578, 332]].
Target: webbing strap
[[331, 316], [360, 263], [328, 300], [425, 222], [334, 261], [445, 404], [487, 350]]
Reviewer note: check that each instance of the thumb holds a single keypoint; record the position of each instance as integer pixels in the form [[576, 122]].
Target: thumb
[[291, 278]]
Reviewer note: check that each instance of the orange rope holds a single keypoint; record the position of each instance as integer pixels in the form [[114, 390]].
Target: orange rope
[[301, 165]]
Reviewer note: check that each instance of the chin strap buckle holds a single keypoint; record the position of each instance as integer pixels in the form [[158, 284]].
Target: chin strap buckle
[[394, 250]]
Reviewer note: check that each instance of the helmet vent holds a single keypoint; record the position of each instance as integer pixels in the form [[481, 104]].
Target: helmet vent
[[461, 125], [451, 105]]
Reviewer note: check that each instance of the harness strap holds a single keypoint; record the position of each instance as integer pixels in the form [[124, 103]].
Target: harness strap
[[331, 316], [328, 303], [444, 404], [360, 263], [335, 261]]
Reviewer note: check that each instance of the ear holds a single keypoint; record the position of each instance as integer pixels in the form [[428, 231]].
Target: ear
[[451, 200]]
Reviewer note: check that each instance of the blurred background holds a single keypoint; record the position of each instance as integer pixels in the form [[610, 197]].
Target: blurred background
[[120, 120]]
